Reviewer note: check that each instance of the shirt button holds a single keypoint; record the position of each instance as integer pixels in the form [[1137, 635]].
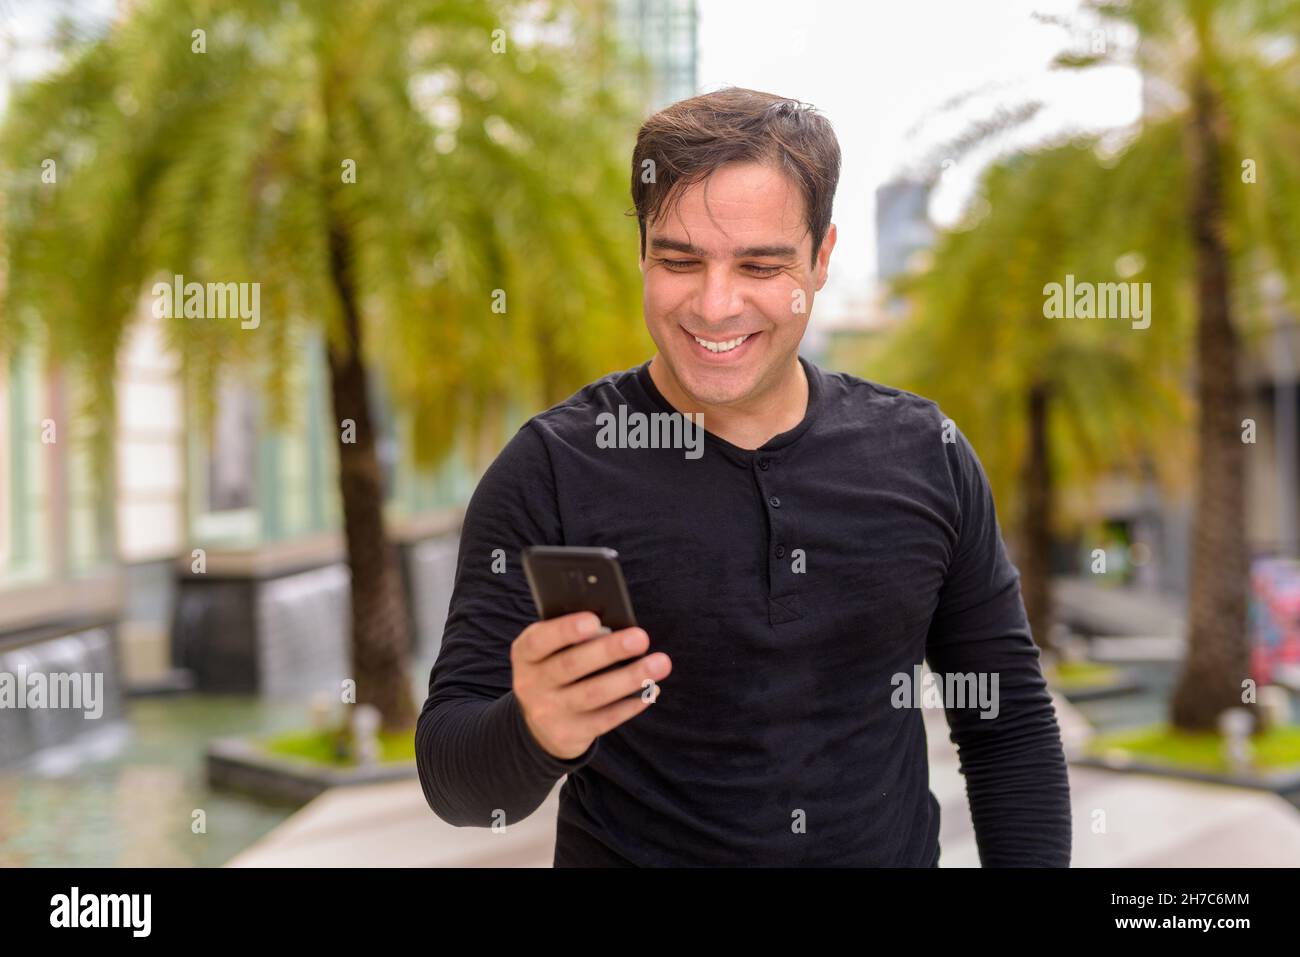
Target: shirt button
[[762, 463], [774, 502], [780, 551]]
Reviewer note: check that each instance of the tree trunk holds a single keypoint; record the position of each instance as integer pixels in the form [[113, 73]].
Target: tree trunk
[[380, 628], [1218, 648], [1036, 533]]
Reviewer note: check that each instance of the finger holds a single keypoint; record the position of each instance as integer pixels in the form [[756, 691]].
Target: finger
[[600, 690], [572, 664], [542, 639], [612, 715]]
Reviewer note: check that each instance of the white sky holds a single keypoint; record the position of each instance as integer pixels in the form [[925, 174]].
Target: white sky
[[877, 69]]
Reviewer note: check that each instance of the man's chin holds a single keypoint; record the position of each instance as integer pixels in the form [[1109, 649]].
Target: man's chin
[[717, 388]]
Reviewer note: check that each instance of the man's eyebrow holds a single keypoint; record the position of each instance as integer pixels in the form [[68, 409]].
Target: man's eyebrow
[[661, 244], [745, 252]]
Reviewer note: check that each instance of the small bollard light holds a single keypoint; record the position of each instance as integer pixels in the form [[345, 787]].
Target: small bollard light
[[1235, 725], [365, 734], [1074, 648], [1060, 639], [320, 709], [1275, 702]]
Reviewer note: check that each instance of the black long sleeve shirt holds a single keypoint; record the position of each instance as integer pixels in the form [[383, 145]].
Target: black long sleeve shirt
[[797, 588]]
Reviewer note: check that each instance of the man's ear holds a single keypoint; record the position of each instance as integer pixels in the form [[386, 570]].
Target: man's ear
[[824, 256]]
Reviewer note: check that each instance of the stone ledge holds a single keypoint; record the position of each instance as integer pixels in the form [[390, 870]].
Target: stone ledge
[[1285, 784], [300, 553], [36, 612], [1124, 685], [238, 764]]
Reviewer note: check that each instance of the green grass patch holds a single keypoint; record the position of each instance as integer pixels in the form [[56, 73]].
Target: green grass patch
[[1082, 674], [319, 747], [1276, 749]]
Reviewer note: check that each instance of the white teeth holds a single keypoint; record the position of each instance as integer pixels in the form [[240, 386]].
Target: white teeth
[[726, 346]]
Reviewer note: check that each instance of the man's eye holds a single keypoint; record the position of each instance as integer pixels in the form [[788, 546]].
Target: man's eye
[[763, 270], [676, 265]]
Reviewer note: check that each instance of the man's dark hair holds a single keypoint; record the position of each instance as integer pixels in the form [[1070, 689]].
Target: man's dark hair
[[692, 138]]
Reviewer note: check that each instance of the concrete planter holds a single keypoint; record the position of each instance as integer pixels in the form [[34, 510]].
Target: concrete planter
[[1125, 684], [1286, 784], [239, 764]]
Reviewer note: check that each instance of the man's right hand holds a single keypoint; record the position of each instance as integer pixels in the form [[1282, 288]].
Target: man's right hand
[[566, 708]]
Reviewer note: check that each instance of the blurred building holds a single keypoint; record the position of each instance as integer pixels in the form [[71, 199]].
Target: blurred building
[[903, 227], [1272, 401], [665, 33], [904, 235]]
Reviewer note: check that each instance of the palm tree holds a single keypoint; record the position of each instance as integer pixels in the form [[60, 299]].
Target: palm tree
[[1228, 72], [1049, 402], [431, 182], [1210, 197]]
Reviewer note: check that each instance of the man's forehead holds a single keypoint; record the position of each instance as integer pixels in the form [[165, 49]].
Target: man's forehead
[[758, 202], [741, 189]]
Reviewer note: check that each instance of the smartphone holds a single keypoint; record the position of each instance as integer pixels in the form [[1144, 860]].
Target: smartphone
[[567, 579]]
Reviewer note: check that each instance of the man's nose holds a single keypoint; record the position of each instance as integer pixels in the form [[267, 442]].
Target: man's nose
[[719, 297]]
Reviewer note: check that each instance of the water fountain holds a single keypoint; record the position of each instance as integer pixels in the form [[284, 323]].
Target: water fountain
[[27, 730]]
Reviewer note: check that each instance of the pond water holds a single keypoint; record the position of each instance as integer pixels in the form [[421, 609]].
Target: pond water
[[125, 796]]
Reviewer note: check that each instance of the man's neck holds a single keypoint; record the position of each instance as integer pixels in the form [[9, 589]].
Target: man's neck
[[750, 425]]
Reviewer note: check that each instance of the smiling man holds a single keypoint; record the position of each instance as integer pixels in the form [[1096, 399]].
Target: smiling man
[[833, 534], [729, 284]]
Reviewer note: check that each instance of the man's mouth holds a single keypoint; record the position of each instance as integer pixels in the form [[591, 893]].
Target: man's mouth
[[722, 347], [725, 346]]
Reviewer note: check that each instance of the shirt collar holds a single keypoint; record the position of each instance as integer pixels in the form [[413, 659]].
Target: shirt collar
[[779, 441]]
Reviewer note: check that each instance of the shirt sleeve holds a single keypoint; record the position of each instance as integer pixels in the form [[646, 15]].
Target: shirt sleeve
[[1013, 761], [478, 762]]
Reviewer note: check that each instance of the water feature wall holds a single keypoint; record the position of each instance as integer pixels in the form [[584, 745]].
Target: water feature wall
[[55, 721], [430, 567], [288, 634]]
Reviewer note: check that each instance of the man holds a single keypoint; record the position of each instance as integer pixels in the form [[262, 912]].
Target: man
[[789, 577]]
